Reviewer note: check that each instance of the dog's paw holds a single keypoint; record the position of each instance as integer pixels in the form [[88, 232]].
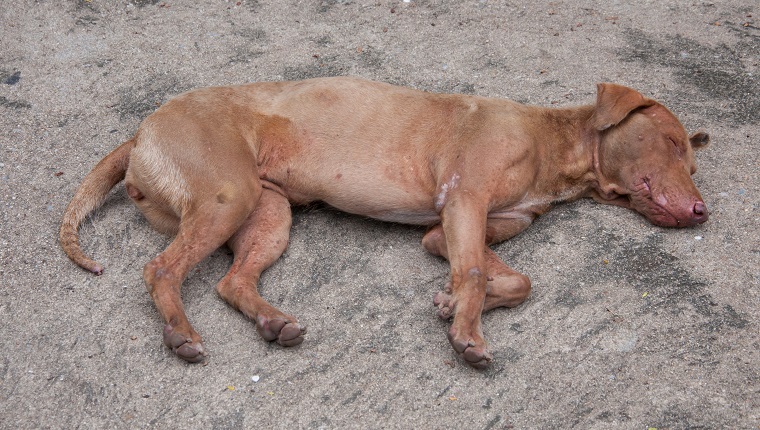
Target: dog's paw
[[444, 301], [474, 352], [280, 329], [183, 345]]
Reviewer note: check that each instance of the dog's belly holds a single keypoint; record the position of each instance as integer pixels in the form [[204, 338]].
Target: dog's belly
[[404, 217], [392, 212], [365, 195]]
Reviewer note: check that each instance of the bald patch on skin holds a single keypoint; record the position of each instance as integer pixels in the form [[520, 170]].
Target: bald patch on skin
[[441, 197]]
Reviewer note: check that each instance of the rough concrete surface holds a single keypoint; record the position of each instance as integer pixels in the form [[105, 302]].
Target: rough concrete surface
[[629, 325]]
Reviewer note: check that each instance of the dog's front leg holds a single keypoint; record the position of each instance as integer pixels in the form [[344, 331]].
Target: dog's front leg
[[464, 224]]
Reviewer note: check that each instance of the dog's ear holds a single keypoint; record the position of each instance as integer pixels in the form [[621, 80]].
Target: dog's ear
[[614, 103], [699, 140]]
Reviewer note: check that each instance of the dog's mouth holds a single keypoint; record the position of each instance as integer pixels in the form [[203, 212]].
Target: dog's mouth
[[666, 209], [644, 202], [640, 198]]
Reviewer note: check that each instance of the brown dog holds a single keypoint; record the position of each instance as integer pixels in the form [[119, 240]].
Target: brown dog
[[223, 165]]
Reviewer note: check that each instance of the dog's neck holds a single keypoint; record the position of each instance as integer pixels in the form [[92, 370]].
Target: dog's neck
[[569, 138]]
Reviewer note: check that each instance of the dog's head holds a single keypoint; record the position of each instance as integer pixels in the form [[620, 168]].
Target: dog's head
[[644, 159]]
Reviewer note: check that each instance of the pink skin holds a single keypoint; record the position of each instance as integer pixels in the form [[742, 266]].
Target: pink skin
[[656, 207], [665, 212]]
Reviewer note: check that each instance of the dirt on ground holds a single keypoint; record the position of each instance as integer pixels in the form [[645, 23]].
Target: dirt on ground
[[628, 326]]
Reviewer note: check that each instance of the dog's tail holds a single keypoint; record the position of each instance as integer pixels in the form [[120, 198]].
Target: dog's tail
[[90, 195]]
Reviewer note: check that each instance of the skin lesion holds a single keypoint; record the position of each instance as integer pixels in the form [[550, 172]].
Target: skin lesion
[[444, 189], [475, 272]]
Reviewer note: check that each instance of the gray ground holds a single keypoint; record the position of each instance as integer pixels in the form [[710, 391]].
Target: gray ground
[[628, 326]]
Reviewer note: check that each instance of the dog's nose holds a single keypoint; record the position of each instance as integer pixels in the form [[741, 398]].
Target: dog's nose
[[699, 214]]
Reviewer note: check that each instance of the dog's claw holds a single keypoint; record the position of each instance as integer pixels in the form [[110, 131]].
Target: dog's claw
[[443, 301], [475, 355], [479, 358], [192, 353], [286, 333], [445, 313], [291, 334], [183, 346]]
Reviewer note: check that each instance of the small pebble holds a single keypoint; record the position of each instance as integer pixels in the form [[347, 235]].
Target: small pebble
[[697, 237], [255, 378]]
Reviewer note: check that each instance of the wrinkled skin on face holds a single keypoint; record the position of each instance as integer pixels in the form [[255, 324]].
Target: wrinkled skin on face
[[653, 160]]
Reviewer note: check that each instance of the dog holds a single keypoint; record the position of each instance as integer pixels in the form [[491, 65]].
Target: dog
[[224, 165]]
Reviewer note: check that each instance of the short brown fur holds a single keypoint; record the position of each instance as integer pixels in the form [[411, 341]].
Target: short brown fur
[[223, 165]]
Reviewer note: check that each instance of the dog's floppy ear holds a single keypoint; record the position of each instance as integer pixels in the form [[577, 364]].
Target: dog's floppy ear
[[614, 103]]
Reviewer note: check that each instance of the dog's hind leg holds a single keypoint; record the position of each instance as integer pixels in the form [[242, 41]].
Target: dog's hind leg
[[206, 226], [257, 244]]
